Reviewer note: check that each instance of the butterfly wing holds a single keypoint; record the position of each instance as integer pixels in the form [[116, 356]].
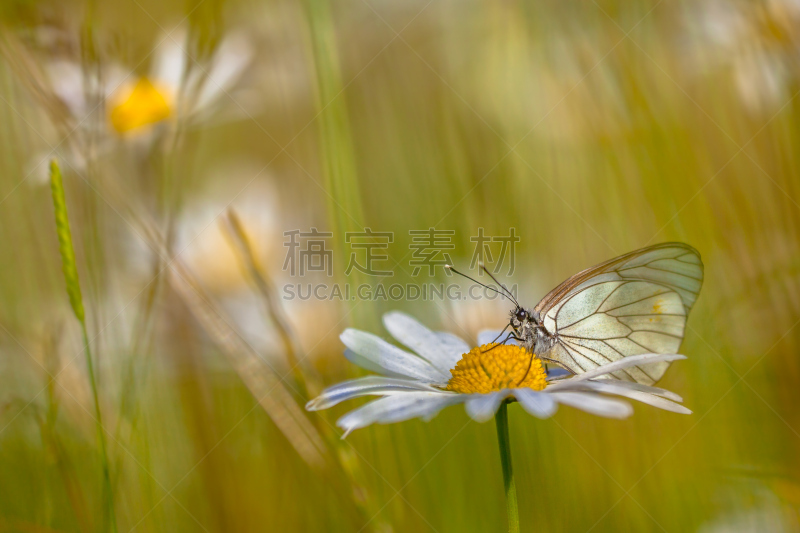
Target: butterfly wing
[[637, 303]]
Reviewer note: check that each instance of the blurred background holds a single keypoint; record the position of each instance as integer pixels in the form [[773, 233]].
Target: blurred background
[[193, 134]]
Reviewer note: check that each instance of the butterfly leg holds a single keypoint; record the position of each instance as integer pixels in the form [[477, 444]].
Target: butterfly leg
[[544, 359], [509, 336], [530, 364], [500, 334]]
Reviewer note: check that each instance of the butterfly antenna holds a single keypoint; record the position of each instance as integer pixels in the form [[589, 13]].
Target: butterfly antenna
[[511, 296], [481, 284]]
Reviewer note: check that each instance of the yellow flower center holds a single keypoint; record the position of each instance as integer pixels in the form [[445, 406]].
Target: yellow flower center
[[493, 367], [139, 106]]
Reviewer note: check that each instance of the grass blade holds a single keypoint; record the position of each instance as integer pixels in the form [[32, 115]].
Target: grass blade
[[65, 248], [70, 269], [259, 277]]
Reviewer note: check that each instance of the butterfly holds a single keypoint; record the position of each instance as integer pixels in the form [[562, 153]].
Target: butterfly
[[633, 304]]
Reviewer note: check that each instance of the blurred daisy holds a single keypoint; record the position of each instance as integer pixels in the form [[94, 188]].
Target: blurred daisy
[[444, 371], [758, 41], [177, 86], [762, 512], [96, 109]]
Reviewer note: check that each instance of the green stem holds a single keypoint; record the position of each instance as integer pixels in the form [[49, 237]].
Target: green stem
[[508, 471], [70, 269], [108, 494]]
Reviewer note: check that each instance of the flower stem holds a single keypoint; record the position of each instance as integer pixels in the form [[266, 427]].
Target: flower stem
[[508, 472], [108, 495]]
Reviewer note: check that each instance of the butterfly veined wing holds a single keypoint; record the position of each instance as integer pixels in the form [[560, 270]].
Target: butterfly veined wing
[[673, 264], [610, 320], [633, 304]]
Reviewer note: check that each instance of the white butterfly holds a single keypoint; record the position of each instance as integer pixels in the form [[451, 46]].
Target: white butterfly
[[634, 304]]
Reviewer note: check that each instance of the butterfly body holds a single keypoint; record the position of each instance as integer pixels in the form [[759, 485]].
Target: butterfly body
[[531, 335]]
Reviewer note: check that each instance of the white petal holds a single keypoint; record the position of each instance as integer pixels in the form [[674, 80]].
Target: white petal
[[425, 342], [632, 385], [169, 63], [488, 335], [538, 404], [114, 78], [575, 384], [482, 407], [370, 385], [397, 408], [594, 404], [612, 387], [633, 360], [389, 357], [230, 61], [67, 81], [453, 345], [366, 364]]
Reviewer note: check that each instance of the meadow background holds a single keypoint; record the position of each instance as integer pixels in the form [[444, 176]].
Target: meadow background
[[593, 128]]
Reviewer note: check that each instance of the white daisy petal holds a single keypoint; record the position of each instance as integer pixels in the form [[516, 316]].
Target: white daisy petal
[[370, 385], [538, 404], [366, 364], [68, 85], [612, 387], [594, 404], [625, 362], [114, 78], [397, 408], [170, 58], [454, 347], [389, 357], [657, 391], [482, 407], [488, 335], [574, 384], [230, 61], [423, 341]]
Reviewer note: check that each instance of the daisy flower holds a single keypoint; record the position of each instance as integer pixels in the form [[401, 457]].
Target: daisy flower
[[442, 371], [174, 87], [112, 106], [756, 41], [115, 104]]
